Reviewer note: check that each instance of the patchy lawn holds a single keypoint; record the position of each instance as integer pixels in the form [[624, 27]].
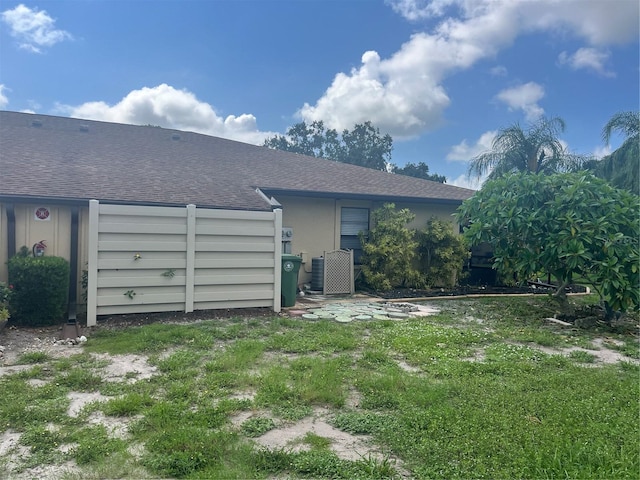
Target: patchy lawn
[[484, 389]]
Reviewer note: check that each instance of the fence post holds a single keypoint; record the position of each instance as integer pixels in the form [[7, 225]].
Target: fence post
[[277, 268], [191, 258], [92, 264]]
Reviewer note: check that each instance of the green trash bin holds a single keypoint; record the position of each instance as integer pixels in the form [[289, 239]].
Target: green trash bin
[[290, 268]]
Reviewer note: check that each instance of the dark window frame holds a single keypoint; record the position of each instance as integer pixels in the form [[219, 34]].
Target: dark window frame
[[352, 219]]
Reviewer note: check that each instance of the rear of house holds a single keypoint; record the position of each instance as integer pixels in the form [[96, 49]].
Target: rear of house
[[160, 219]]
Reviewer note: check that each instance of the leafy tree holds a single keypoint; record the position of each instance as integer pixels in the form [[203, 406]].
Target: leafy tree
[[442, 253], [314, 140], [419, 170], [572, 225], [389, 249], [622, 167], [364, 145], [536, 150]]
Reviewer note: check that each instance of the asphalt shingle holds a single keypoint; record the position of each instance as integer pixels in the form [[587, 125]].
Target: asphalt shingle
[[59, 157]]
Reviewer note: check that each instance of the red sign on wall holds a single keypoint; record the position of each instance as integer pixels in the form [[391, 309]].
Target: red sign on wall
[[42, 214]]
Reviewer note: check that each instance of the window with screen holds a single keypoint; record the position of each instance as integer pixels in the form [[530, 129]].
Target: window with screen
[[352, 222]]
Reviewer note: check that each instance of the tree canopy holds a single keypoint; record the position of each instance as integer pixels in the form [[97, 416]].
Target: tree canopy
[[536, 150], [419, 170], [364, 145], [569, 225]]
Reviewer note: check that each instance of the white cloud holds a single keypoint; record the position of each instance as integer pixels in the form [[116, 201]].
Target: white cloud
[[465, 181], [169, 107], [463, 152], [598, 22], [600, 152], [33, 28], [4, 101], [404, 95], [414, 10], [587, 58], [524, 97]]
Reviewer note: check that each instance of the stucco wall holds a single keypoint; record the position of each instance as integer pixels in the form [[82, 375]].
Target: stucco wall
[[55, 231], [316, 223]]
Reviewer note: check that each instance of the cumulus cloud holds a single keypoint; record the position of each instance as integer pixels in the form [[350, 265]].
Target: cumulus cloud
[[588, 59], [414, 10], [169, 107], [595, 21], [464, 152], [524, 97], [465, 181], [404, 95], [33, 28], [4, 101]]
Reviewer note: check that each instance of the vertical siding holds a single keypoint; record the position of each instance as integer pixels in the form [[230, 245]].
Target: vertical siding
[[154, 259]]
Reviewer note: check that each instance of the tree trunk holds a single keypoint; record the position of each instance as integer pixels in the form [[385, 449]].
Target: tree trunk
[[561, 296]]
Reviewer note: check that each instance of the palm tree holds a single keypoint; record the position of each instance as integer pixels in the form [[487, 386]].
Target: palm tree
[[536, 150], [621, 168], [626, 123]]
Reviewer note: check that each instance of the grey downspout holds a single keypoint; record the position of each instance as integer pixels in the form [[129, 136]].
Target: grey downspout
[[11, 230], [73, 264]]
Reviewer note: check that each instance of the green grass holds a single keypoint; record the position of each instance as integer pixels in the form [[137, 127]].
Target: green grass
[[412, 386], [255, 427], [33, 357]]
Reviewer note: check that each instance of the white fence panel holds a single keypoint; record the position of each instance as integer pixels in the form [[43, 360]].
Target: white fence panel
[[145, 259]]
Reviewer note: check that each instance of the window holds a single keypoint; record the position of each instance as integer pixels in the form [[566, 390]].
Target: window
[[353, 221]]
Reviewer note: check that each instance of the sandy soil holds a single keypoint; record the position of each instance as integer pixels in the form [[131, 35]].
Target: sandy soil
[[133, 368]]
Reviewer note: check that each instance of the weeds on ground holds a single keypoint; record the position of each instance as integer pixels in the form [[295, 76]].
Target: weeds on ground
[[515, 413]]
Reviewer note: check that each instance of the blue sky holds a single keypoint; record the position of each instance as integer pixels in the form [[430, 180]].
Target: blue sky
[[440, 76]]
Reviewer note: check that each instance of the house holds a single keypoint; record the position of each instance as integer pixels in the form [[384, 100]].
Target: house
[[183, 220]]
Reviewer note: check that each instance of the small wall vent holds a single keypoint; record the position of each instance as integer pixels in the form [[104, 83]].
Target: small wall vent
[[36, 123], [83, 128], [175, 136]]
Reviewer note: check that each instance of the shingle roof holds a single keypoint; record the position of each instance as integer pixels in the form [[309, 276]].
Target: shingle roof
[[68, 158]]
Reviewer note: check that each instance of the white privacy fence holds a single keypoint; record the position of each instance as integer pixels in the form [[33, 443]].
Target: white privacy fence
[[155, 259]]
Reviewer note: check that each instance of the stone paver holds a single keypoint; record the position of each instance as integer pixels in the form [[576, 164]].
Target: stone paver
[[346, 311]]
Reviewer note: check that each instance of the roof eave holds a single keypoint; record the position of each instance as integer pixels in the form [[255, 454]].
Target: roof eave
[[85, 202], [359, 196]]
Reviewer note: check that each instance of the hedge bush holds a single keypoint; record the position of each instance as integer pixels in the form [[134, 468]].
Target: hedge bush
[[5, 296], [390, 250], [442, 253], [40, 289]]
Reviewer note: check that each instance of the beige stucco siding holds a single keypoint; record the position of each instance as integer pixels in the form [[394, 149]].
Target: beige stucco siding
[[425, 212], [56, 232], [316, 223]]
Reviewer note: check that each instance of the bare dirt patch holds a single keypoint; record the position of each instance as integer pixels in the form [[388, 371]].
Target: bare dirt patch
[[343, 444]]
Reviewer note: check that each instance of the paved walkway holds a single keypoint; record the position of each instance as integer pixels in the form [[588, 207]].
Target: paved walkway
[[357, 307]]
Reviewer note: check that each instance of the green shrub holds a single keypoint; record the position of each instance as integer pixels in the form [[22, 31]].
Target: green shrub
[[40, 289], [389, 250], [442, 253], [5, 297], [571, 225]]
